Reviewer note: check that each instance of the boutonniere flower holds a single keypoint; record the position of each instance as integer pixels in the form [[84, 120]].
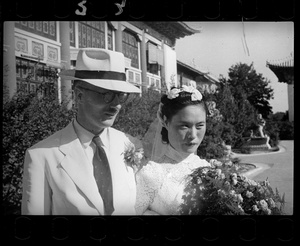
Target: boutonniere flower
[[134, 157]]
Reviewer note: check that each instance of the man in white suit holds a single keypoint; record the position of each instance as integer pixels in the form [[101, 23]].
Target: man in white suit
[[58, 171]]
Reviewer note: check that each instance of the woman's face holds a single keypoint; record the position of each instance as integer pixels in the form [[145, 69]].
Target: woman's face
[[187, 128]]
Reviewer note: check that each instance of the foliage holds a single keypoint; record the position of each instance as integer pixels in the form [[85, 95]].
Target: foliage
[[138, 113], [221, 190], [236, 119], [243, 80], [238, 113], [285, 129], [273, 131], [211, 146], [27, 119]]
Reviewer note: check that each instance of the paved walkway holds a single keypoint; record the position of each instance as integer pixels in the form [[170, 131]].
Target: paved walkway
[[278, 167]]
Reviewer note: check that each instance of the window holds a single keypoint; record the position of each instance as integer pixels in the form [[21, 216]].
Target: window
[[46, 29], [130, 48], [34, 71], [91, 34], [154, 58], [109, 37], [72, 33]]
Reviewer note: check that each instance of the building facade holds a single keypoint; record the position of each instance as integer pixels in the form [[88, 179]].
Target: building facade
[[187, 75], [35, 51]]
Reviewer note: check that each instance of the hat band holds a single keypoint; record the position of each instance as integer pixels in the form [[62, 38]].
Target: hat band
[[109, 75]]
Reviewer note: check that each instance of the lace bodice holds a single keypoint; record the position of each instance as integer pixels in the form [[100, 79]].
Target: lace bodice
[[160, 184]]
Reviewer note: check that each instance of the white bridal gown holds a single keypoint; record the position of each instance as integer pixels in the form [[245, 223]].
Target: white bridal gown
[[160, 184]]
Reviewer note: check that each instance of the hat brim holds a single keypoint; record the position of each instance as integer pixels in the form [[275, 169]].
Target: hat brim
[[114, 85]]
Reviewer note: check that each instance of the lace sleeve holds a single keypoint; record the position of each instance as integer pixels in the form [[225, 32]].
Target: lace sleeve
[[147, 180]]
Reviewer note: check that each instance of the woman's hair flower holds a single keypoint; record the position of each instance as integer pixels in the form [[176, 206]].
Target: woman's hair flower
[[173, 93], [195, 94]]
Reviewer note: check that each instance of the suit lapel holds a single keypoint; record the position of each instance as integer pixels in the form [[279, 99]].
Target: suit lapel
[[76, 164]]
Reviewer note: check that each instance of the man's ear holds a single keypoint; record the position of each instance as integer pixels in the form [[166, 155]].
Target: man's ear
[[79, 95]]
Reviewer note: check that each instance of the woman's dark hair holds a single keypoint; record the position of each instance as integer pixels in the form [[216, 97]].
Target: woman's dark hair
[[171, 107]]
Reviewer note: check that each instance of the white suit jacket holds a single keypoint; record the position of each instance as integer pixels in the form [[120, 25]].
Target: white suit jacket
[[58, 177]]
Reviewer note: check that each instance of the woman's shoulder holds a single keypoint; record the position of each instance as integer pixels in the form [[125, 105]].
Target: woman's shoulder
[[150, 167], [198, 162]]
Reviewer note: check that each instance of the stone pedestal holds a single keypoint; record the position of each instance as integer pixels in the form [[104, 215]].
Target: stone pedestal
[[257, 144]]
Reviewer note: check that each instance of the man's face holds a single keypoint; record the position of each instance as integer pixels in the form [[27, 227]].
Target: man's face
[[94, 113]]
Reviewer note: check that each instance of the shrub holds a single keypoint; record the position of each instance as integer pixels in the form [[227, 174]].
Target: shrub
[[286, 130], [211, 146], [27, 119], [138, 113]]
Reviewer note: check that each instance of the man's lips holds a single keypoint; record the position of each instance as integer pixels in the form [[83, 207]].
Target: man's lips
[[112, 112]]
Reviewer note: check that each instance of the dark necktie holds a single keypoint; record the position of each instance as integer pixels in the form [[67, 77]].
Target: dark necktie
[[103, 176]]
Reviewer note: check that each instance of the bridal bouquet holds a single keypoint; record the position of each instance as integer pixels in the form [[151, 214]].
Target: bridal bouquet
[[220, 190]]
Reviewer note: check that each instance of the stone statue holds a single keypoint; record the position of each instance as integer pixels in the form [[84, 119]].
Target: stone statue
[[261, 124]]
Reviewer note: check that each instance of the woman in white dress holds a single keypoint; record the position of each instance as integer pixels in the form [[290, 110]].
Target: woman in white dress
[[161, 182]]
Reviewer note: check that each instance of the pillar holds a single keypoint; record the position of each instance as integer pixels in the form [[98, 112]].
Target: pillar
[[66, 86], [163, 72], [119, 37], [9, 59], [144, 63], [290, 88]]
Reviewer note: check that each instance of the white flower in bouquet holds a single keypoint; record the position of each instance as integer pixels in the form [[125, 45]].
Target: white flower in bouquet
[[255, 208], [215, 163], [249, 194], [271, 203]]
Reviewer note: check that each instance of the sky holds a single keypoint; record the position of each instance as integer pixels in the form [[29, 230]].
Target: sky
[[219, 45]]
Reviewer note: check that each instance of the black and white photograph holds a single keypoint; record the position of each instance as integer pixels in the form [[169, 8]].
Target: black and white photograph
[[147, 118]]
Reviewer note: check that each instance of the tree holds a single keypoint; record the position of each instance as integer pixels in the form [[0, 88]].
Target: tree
[[244, 81], [238, 115]]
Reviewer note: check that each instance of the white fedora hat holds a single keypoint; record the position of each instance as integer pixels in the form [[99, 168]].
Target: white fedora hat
[[102, 68]]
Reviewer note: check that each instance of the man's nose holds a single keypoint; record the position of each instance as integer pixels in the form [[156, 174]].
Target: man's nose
[[115, 101]]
